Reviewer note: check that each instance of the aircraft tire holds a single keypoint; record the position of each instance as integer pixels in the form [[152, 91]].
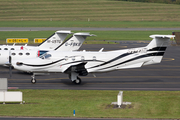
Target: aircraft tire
[[33, 81], [77, 81]]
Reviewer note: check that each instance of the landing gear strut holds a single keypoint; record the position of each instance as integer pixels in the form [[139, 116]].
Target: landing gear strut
[[33, 80]]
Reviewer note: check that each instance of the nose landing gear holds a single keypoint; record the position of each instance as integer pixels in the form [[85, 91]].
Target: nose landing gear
[[33, 80]]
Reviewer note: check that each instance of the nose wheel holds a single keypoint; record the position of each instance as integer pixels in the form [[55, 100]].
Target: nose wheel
[[33, 80]]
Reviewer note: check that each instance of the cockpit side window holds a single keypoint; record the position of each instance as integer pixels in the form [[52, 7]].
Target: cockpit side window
[[45, 56]]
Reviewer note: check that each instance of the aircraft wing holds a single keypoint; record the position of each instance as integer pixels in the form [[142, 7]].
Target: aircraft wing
[[79, 68]]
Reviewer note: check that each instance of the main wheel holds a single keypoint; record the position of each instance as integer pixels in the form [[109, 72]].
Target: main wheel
[[77, 81], [33, 80]]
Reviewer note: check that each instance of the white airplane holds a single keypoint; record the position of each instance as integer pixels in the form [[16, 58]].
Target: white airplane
[[81, 63], [71, 44], [50, 43]]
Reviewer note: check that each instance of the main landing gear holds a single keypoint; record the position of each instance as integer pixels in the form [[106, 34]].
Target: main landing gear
[[74, 77], [77, 81]]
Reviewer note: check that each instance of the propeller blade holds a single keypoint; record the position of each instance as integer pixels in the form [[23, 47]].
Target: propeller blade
[[10, 66]]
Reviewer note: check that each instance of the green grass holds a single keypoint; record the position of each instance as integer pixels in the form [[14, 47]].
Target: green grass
[[94, 103], [89, 13], [156, 1], [103, 24], [101, 35], [82, 10]]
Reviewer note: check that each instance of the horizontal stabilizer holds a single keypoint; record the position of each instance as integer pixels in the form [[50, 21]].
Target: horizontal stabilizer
[[162, 36], [83, 34], [64, 32]]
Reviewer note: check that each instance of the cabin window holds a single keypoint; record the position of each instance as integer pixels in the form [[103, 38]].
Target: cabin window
[[82, 58], [66, 58], [20, 53], [73, 58], [27, 53], [12, 48], [5, 48], [13, 54], [94, 57], [0, 48]]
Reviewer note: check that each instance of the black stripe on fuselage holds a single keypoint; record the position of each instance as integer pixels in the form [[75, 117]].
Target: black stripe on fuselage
[[158, 49], [116, 58], [136, 58], [43, 64], [59, 61], [82, 61]]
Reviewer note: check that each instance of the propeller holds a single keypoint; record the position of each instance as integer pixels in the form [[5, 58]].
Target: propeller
[[10, 64]]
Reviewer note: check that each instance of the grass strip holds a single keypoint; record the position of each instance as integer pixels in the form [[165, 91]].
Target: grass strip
[[103, 24], [95, 103], [88, 10]]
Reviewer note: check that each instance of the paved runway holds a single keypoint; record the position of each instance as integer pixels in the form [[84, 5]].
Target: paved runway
[[163, 76]]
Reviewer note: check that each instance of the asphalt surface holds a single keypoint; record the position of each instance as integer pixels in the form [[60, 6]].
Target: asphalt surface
[[82, 29], [163, 76]]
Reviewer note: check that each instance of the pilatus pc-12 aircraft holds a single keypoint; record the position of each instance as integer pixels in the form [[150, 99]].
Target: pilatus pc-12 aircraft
[[81, 63]]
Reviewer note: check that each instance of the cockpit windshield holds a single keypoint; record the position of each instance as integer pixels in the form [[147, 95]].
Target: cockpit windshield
[[45, 56]]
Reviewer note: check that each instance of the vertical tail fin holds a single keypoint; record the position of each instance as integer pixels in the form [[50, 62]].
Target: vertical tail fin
[[159, 41], [74, 42], [54, 40], [156, 48]]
